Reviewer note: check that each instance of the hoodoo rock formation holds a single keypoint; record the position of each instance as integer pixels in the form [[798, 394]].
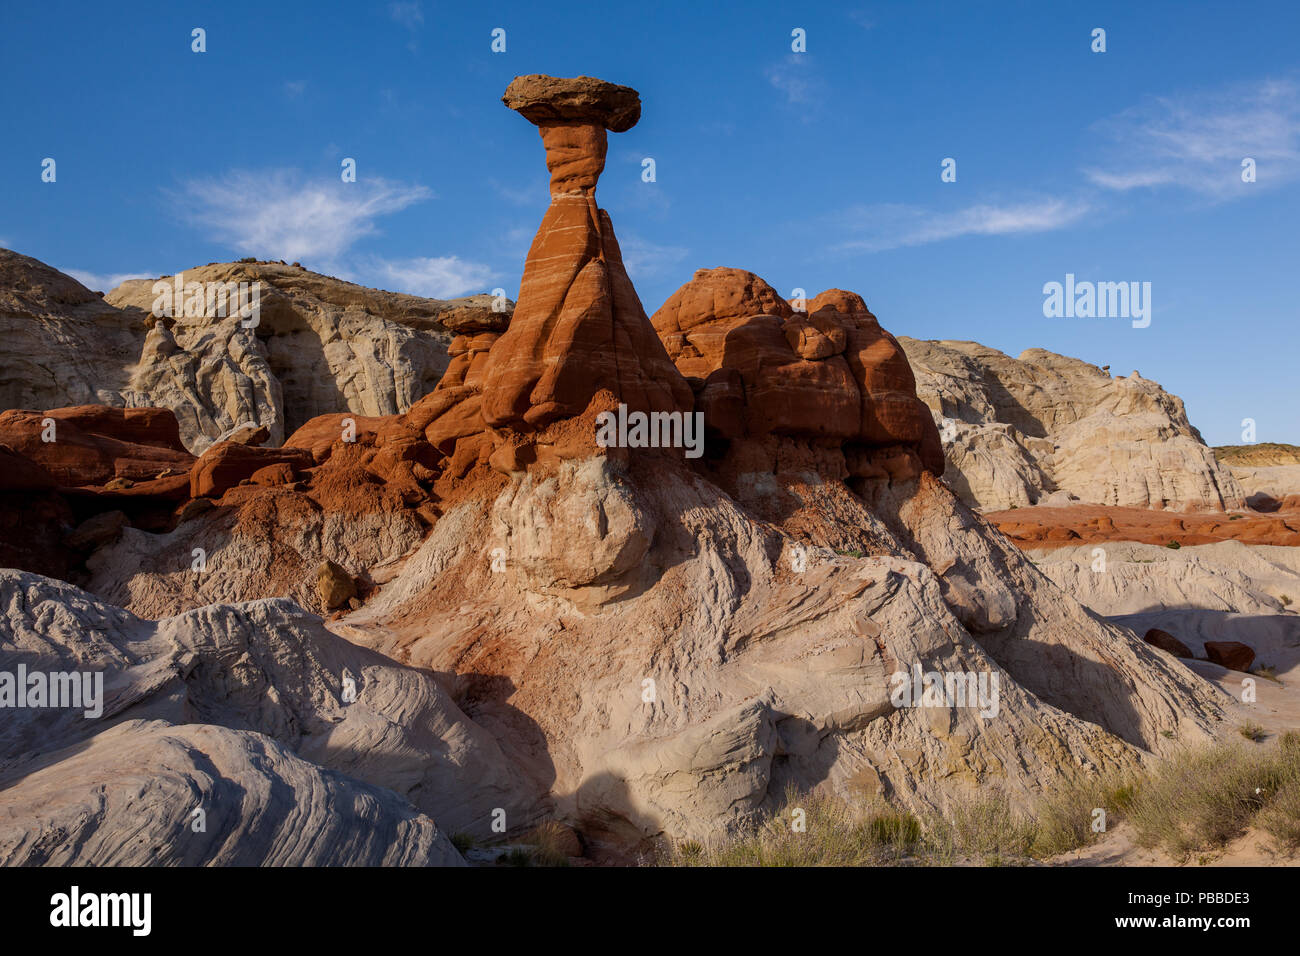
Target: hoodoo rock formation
[[578, 326], [642, 645]]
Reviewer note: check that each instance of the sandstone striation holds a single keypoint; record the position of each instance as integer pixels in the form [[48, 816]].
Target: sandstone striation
[[201, 708]]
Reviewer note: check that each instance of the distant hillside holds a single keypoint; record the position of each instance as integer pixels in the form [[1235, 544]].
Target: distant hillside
[[1262, 455], [320, 345], [1016, 430]]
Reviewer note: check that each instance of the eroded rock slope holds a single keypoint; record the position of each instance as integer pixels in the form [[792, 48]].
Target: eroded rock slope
[[1016, 430]]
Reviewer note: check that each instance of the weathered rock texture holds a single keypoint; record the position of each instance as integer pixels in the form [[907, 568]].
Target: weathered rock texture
[[1016, 430], [830, 375], [299, 747], [321, 346]]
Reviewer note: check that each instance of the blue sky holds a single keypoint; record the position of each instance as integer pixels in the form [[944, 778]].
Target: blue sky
[[815, 170]]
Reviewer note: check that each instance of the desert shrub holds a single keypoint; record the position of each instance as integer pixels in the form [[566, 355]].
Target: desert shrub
[[1202, 799], [548, 841], [518, 856], [1064, 817], [982, 828], [835, 833], [1251, 731], [1281, 818], [1191, 804]]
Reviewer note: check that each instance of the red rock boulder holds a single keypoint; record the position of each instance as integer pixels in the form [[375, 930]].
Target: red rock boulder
[[1233, 655]]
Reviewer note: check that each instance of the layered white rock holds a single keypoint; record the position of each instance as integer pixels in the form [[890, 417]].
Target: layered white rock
[[299, 747], [320, 345], [682, 692], [1018, 429]]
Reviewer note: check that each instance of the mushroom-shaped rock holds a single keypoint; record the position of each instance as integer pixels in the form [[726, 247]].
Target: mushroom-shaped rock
[[550, 100], [578, 326]]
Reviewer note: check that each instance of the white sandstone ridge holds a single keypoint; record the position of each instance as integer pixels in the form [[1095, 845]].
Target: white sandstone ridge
[[648, 649], [320, 345], [1015, 430]]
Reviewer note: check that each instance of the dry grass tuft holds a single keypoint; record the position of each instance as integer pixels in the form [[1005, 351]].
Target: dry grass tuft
[[1192, 804]]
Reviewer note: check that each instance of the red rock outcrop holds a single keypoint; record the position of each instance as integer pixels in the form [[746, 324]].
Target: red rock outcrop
[[759, 368], [1046, 526], [64, 467], [1233, 655], [94, 447], [227, 463]]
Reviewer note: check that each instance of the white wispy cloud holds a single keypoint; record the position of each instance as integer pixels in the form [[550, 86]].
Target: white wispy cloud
[[277, 215], [795, 79], [442, 277], [893, 225], [294, 88], [105, 281], [1198, 141], [408, 14], [644, 259]]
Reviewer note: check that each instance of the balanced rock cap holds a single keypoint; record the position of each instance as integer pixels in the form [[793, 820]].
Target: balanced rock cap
[[543, 100]]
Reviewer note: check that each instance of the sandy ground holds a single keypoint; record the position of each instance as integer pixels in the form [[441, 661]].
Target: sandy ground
[[1118, 848], [1277, 709]]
